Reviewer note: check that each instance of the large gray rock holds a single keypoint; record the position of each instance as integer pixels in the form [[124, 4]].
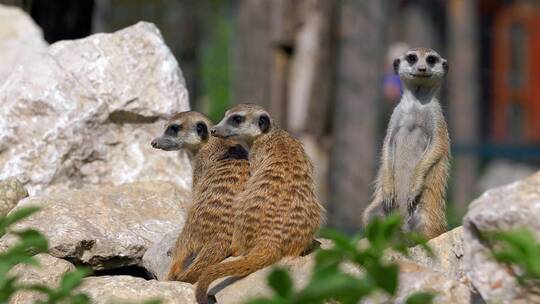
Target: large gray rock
[[447, 254], [108, 226], [415, 278], [157, 259], [48, 273], [513, 206], [500, 172], [86, 110], [11, 192], [126, 289], [231, 291], [21, 40]]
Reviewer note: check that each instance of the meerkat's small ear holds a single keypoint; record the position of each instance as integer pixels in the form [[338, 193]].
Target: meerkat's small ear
[[445, 66], [396, 65], [264, 123], [202, 130]]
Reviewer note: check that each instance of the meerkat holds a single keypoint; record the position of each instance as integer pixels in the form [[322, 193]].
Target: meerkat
[[279, 214], [220, 170], [414, 171]]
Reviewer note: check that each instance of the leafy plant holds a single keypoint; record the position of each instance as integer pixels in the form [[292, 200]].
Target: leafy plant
[[31, 242], [517, 248], [330, 283]]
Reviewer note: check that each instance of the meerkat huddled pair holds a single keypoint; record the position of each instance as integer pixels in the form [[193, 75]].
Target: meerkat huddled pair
[[270, 213], [414, 170], [220, 170]]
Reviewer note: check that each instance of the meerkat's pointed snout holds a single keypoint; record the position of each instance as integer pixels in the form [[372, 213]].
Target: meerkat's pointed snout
[[154, 143], [213, 131]]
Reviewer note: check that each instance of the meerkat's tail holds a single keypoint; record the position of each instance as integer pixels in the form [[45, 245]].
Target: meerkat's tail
[[258, 258]]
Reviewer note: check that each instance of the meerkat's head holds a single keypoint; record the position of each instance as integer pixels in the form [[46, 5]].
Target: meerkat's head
[[186, 130], [421, 67], [244, 123]]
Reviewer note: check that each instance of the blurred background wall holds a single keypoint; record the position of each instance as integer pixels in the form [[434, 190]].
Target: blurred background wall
[[323, 69]]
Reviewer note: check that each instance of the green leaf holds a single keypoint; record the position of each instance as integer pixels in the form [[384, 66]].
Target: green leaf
[[381, 231], [33, 240], [420, 298], [82, 298], [281, 282], [385, 276], [331, 285], [73, 279], [38, 288], [264, 301], [16, 216], [340, 240], [330, 258], [519, 248]]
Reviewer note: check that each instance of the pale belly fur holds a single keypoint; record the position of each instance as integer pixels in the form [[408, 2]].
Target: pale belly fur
[[408, 148]]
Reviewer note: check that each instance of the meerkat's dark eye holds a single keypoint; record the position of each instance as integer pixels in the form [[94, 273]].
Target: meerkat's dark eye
[[173, 129], [202, 130], [264, 123], [236, 119], [411, 58], [431, 60]]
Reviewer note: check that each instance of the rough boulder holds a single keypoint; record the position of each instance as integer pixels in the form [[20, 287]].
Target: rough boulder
[[84, 112]]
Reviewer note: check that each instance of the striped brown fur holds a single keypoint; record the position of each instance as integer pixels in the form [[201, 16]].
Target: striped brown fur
[[220, 170], [279, 214]]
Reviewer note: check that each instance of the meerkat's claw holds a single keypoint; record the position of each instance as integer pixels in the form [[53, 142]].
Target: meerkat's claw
[[412, 202], [389, 204]]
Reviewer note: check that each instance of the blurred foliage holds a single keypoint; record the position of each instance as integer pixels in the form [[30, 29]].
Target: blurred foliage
[[31, 242], [215, 72], [517, 248], [330, 283]]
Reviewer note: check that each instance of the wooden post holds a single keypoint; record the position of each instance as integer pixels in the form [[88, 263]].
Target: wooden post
[[463, 86], [359, 67], [252, 53], [312, 67]]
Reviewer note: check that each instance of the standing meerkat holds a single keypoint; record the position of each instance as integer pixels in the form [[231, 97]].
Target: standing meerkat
[[220, 170], [415, 156], [279, 214]]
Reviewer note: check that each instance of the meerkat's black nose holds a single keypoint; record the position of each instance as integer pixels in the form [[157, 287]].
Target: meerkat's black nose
[[154, 143], [213, 131], [422, 69]]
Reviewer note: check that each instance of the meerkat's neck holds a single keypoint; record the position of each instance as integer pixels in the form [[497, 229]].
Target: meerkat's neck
[[248, 144], [420, 94]]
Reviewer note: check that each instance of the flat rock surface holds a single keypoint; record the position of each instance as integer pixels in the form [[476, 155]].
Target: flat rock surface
[[447, 254], [513, 206], [109, 226], [415, 278], [48, 273], [158, 257], [126, 289], [86, 110]]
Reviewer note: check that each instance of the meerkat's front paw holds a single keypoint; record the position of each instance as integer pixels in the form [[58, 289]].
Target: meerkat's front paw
[[389, 203], [412, 202]]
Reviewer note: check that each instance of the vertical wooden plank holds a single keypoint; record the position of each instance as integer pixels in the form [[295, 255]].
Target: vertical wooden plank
[[359, 67], [252, 52], [279, 83], [463, 86], [312, 69]]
